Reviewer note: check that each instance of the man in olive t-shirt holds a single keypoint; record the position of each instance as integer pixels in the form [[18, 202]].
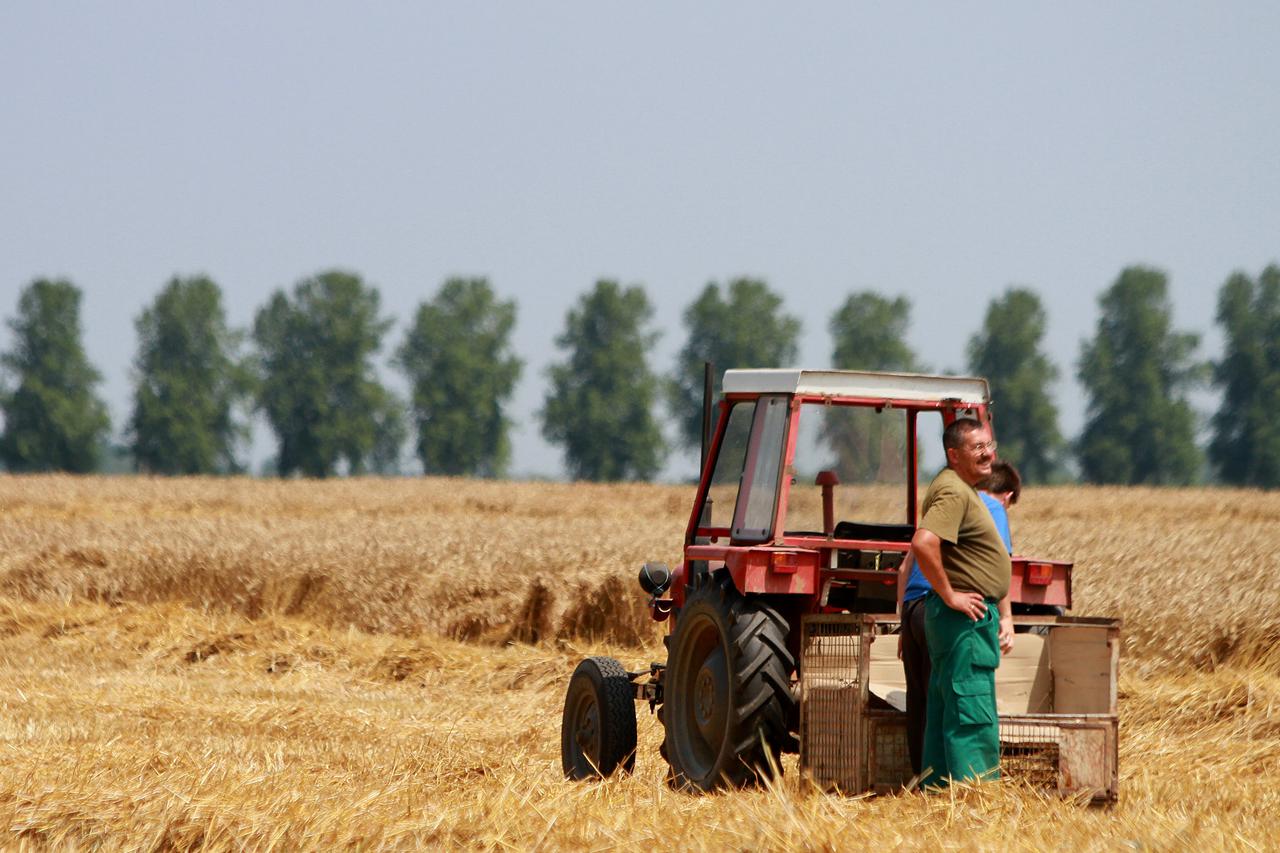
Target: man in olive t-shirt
[[963, 557]]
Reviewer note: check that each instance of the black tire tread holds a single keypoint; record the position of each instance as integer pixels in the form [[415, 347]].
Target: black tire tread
[[617, 711], [620, 707], [761, 684]]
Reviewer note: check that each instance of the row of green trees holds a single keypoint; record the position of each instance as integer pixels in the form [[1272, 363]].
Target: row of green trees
[[310, 371]]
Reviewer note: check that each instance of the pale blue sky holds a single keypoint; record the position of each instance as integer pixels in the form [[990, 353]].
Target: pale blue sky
[[944, 151]]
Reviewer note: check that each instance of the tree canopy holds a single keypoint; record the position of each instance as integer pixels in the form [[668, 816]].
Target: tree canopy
[[1140, 427], [53, 419], [318, 388], [458, 358], [869, 333], [744, 327], [188, 383], [599, 408], [1007, 351], [1245, 448], [312, 375]]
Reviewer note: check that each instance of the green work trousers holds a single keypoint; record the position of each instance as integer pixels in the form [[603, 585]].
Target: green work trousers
[[961, 734]]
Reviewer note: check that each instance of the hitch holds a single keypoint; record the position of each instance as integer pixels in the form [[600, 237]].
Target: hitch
[[648, 691]]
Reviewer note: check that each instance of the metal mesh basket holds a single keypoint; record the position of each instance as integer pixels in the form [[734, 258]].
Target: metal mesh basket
[[889, 757], [1029, 752], [833, 700]]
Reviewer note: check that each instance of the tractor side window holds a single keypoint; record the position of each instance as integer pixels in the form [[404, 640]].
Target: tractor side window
[[866, 449], [727, 473], [758, 494], [932, 457]]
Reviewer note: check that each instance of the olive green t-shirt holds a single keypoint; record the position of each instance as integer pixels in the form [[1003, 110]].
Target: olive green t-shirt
[[973, 554]]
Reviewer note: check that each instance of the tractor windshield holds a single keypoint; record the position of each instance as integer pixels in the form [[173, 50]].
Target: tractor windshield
[[867, 451], [865, 448], [743, 491]]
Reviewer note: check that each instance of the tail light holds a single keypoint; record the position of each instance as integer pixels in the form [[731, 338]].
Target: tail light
[[785, 561], [1038, 574]]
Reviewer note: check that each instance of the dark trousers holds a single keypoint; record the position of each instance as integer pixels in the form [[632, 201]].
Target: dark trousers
[[915, 662]]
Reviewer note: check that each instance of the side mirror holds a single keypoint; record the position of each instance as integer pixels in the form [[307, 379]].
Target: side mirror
[[655, 578]]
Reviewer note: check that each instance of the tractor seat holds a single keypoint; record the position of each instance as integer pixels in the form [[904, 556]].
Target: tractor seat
[[875, 532]]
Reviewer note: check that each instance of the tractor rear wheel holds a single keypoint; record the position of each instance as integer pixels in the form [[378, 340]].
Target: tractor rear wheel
[[598, 729], [728, 689]]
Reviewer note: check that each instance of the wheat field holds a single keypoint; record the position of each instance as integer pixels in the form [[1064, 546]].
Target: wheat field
[[380, 664]]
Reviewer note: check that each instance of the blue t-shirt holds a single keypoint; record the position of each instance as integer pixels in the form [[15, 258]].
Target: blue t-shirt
[[918, 585], [1001, 518]]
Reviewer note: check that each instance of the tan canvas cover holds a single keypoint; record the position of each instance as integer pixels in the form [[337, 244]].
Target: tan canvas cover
[[1024, 681]]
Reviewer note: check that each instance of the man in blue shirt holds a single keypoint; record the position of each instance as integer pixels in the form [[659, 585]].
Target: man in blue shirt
[[999, 492]]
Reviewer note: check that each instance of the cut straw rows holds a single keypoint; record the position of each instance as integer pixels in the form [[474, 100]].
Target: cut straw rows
[[114, 734], [208, 664]]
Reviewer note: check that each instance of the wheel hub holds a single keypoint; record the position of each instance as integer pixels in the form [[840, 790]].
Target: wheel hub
[[586, 733], [705, 697], [711, 699]]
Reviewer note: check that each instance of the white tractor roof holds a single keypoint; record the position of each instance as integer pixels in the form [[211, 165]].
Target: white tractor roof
[[858, 383]]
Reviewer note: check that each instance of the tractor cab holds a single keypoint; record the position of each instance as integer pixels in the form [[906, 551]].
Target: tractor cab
[[812, 485]]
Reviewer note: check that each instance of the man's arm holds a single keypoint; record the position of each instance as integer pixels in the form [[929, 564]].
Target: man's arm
[[1006, 625], [999, 509], [927, 548]]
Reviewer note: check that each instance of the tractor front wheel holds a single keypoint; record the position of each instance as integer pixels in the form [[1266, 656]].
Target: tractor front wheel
[[598, 729], [728, 689]]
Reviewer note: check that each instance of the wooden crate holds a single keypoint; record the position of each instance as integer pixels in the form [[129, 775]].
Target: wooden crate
[[1057, 697]]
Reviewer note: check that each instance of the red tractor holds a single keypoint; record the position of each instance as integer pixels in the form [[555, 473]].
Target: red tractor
[[806, 505]]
